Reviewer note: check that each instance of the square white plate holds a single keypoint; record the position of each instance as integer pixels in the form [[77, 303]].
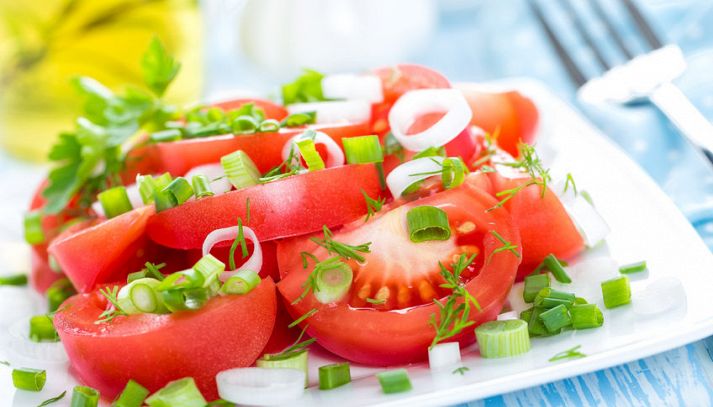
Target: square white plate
[[645, 225]]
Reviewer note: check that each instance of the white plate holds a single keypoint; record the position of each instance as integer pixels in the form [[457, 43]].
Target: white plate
[[645, 224]]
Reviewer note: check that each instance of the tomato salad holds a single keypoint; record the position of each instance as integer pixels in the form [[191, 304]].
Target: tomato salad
[[383, 215]]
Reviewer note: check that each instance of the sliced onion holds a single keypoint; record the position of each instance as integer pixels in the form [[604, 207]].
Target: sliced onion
[[662, 295], [508, 315], [335, 155], [253, 263], [403, 176], [219, 183], [258, 386], [590, 223], [444, 355], [21, 351], [134, 197], [353, 111], [353, 87], [419, 102]]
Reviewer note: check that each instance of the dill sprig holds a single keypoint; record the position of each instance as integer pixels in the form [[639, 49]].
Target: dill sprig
[[345, 251], [372, 205], [461, 370], [507, 246], [114, 309], [294, 349], [454, 314], [239, 241], [569, 183], [571, 353], [530, 163], [299, 320], [291, 166]]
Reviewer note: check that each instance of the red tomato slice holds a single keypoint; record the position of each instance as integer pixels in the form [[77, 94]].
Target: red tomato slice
[[397, 80], [272, 110], [405, 275], [512, 114], [290, 207], [545, 226], [229, 331], [265, 149], [90, 253]]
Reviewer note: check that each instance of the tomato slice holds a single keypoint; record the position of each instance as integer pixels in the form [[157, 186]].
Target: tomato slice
[[265, 149], [92, 252], [405, 275], [289, 207], [229, 331], [545, 226], [512, 115]]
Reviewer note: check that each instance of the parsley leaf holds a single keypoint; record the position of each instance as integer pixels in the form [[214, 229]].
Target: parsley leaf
[[159, 67]]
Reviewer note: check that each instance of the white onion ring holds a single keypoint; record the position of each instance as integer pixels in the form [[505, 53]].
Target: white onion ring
[[353, 87], [219, 183], [24, 352], [335, 155], [444, 355], [253, 263], [401, 177], [418, 102], [259, 386], [352, 111], [134, 197]]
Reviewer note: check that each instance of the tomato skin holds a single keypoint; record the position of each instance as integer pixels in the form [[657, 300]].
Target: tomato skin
[[265, 149], [155, 349], [93, 251], [293, 206], [512, 115], [386, 338], [545, 227], [42, 275]]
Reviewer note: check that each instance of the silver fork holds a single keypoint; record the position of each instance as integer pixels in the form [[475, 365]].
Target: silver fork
[[644, 78]]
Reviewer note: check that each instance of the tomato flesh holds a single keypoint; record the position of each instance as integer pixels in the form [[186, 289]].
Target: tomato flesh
[[405, 275], [229, 331]]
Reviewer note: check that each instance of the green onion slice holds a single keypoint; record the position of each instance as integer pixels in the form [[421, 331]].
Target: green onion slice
[[499, 339], [550, 298], [586, 316], [84, 396], [299, 119], [363, 150], [552, 264], [33, 228], [394, 381], [334, 375], [15, 279], [115, 201], [454, 172], [556, 318], [240, 169], [297, 361], [533, 284], [166, 135], [241, 282], [141, 296], [269, 126], [309, 153], [133, 395], [182, 392], [58, 292], [426, 223], [210, 268], [201, 186], [164, 200], [244, 125], [185, 299], [181, 190], [632, 268], [616, 292], [332, 281], [29, 379], [147, 187], [42, 329]]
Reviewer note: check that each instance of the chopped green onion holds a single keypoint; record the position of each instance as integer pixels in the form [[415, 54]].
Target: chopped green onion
[[164, 200], [115, 201], [550, 298], [58, 292], [527, 314], [427, 223], [42, 329], [498, 339], [242, 282], [185, 299], [535, 326], [166, 135], [210, 268], [332, 282], [180, 188], [334, 375], [147, 186], [633, 268], [240, 169], [616, 292], [33, 228], [556, 318], [183, 393], [136, 275], [586, 316], [299, 119], [29, 379], [269, 126], [453, 172], [244, 125], [290, 360], [141, 296], [555, 266], [533, 284], [133, 395], [306, 88], [394, 381], [363, 150], [201, 186], [15, 279], [309, 153]]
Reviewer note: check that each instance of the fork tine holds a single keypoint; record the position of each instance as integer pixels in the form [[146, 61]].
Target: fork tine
[[579, 26], [570, 66], [618, 40], [643, 25]]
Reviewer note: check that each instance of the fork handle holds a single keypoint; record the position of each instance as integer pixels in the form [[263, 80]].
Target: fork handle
[[687, 118]]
